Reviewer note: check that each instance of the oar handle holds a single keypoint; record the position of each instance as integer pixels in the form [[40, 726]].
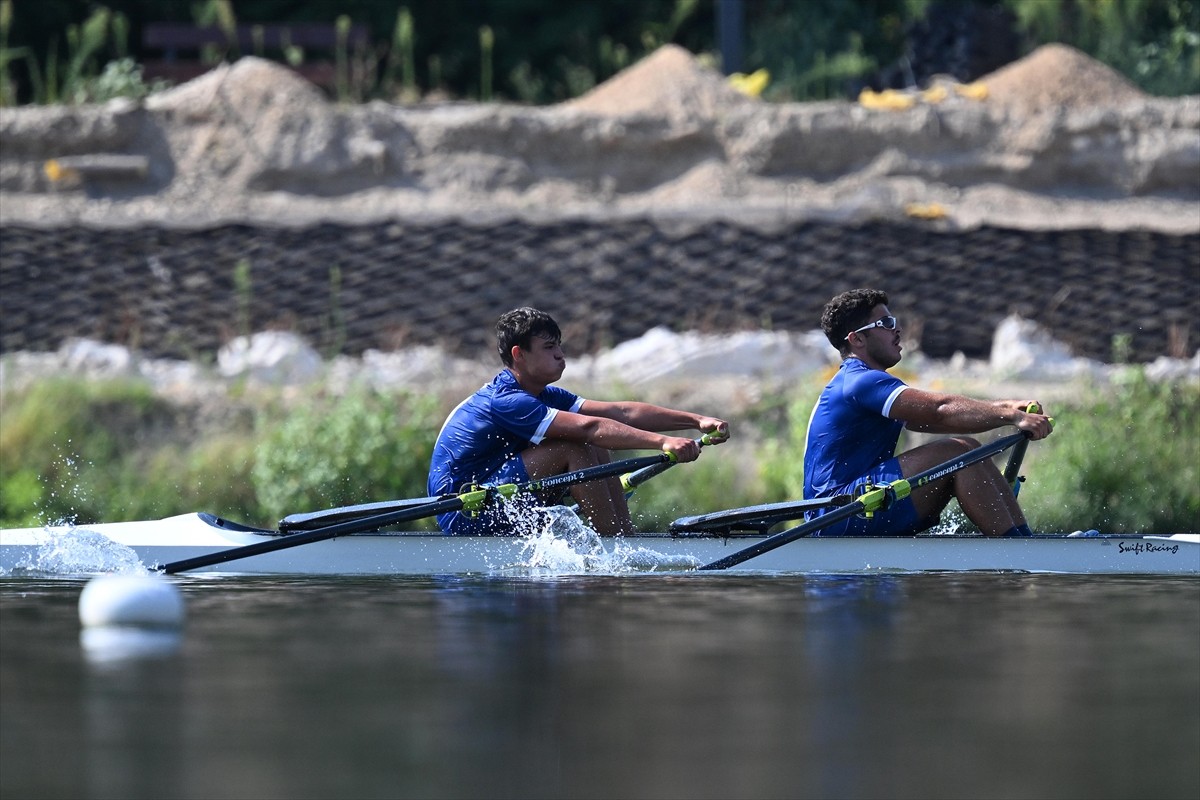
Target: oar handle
[[632, 480], [1013, 468]]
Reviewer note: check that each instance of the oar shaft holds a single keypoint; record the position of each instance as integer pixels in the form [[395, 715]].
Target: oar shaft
[[637, 478], [966, 459], [901, 488], [597, 472]]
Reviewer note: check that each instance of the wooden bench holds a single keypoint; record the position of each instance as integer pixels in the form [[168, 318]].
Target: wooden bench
[[181, 45]]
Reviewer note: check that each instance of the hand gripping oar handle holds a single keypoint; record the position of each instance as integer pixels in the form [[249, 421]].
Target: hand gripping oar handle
[[1013, 468], [472, 500], [873, 500], [632, 480]]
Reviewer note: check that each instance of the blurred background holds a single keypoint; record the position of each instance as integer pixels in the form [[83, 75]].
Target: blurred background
[[538, 52]]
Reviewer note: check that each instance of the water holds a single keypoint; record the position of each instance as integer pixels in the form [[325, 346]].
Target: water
[[686, 686]]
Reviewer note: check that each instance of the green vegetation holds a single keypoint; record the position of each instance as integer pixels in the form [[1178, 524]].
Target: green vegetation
[[335, 451], [534, 52], [1125, 457]]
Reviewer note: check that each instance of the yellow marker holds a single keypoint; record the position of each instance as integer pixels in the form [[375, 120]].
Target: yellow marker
[[973, 91], [55, 171], [752, 84], [887, 100], [935, 94], [925, 210]]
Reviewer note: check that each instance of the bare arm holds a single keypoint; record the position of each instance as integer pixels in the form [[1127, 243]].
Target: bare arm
[[614, 435], [648, 417], [936, 412]]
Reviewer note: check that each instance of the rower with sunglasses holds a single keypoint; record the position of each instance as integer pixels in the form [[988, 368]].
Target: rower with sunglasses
[[858, 418]]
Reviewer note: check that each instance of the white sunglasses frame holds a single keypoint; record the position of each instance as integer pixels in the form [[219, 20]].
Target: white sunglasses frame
[[879, 323]]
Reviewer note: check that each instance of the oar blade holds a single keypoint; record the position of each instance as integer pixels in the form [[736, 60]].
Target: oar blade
[[755, 518], [311, 520]]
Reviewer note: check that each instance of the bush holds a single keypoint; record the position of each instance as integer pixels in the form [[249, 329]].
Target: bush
[[1122, 459], [358, 448]]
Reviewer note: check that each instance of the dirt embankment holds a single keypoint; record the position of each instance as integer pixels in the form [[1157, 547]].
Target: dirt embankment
[[1055, 140]]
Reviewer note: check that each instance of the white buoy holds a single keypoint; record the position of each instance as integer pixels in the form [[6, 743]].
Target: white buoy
[[149, 601]]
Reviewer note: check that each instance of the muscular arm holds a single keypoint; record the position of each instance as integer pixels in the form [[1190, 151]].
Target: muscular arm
[[936, 412], [611, 434], [649, 417]]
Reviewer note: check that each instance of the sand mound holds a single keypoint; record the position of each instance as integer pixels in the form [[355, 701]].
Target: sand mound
[[257, 125], [669, 81], [1058, 76], [249, 88]]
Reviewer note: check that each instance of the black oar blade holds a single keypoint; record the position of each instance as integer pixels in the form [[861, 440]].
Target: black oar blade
[[756, 518], [312, 520], [345, 528], [780, 539]]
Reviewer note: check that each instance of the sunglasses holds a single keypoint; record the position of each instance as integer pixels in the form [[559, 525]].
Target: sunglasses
[[888, 323]]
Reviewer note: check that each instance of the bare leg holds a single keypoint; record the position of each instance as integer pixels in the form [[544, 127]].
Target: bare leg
[[602, 502], [981, 491]]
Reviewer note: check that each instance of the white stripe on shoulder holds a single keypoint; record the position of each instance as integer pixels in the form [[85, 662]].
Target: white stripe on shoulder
[[540, 433], [887, 407], [578, 404]]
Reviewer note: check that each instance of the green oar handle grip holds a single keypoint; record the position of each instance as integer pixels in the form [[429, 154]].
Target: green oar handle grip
[[880, 497]]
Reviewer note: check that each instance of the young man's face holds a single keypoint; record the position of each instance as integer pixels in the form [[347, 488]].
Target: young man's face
[[879, 346], [543, 361]]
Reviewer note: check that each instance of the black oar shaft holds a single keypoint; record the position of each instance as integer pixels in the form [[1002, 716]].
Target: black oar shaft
[[638, 477], [920, 479], [1012, 469], [966, 459]]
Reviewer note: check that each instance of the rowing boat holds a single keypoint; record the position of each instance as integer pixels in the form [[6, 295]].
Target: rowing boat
[[196, 535], [368, 539]]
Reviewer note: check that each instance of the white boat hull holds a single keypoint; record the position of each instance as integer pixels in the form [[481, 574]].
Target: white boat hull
[[159, 542]]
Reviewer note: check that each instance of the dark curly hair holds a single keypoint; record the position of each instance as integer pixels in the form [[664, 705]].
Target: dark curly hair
[[847, 312], [518, 327]]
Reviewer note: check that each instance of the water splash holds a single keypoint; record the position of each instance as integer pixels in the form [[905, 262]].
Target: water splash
[[562, 544], [71, 550]]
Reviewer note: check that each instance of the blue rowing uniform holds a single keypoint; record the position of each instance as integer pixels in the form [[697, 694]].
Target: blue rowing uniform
[[481, 441], [852, 441]]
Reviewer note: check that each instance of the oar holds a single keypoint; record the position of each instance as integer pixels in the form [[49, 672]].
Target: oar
[[311, 520], [1013, 468], [632, 480], [472, 500], [871, 501], [759, 517]]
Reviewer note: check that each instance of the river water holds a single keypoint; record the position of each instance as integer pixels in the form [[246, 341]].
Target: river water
[[685, 686]]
